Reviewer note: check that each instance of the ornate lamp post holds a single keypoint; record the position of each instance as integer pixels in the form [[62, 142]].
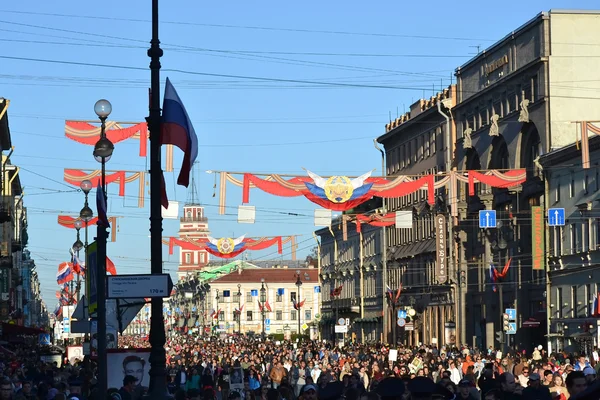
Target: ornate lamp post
[[263, 300], [77, 246], [103, 151], [239, 313], [299, 286]]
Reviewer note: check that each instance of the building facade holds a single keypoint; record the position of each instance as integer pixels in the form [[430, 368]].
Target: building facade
[[20, 301], [416, 144], [192, 225], [574, 247], [515, 103], [280, 290], [351, 262]]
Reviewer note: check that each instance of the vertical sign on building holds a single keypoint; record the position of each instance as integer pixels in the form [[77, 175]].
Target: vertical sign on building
[[440, 248], [537, 238]]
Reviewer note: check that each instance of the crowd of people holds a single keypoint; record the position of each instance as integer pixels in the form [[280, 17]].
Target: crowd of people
[[243, 368]]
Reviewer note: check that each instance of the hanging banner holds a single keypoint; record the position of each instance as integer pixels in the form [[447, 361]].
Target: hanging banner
[[538, 244], [227, 247], [441, 247], [69, 222], [449, 333], [342, 193], [76, 176], [90, 282]]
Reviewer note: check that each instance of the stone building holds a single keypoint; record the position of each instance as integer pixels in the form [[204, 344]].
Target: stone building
[[420, 142], [351, 263], [517, 100], [574, 247]]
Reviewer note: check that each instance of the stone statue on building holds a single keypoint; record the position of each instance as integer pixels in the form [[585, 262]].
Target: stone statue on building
[[494, 130], [467, 143], [524, 114]]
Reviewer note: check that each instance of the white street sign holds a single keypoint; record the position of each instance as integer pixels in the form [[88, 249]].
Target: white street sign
[[341, 329], [138, 286]]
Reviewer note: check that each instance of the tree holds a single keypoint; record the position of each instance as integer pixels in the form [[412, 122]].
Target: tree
[[312, 257]]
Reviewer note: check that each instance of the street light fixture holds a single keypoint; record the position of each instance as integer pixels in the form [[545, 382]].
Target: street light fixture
[[239, 313], [102, 152], [263, 300], [298, 307]]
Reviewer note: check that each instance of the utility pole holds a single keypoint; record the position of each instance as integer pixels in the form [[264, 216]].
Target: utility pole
[[158, 359], [383, 249]]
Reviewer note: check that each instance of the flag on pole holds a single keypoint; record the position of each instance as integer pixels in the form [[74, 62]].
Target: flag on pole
[[177, 129]]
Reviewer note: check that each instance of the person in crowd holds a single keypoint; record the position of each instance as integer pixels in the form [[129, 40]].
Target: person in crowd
[[576, 383]]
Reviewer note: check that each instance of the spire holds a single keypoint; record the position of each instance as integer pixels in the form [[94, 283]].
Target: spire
[[193, 199]]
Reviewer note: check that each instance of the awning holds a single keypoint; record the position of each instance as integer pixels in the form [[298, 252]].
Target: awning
[[13, 329], [530, 323]]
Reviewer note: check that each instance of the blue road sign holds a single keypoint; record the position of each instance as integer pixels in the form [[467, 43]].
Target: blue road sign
[[44, 339], [401, 314], [512, 328], [487, 218], [267, 322], [512, 314], [401, 322], [556, 217]]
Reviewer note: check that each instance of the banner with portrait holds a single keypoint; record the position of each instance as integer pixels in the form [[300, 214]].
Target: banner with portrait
[[125, 362]]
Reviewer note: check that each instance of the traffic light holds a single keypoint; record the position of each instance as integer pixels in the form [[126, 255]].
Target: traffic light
[[505, 319]]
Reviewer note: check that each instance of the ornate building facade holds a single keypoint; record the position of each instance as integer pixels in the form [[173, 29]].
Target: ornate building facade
[[420, 142], [192, 225]]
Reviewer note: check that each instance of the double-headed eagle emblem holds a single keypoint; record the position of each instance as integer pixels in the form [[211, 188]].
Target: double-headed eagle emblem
[[339, 189]]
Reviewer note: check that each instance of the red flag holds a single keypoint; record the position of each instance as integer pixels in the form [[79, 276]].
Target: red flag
[[268, 307], [110, 267]]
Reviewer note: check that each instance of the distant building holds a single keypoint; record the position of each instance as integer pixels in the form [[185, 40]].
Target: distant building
[[574, 247], [193, 225]]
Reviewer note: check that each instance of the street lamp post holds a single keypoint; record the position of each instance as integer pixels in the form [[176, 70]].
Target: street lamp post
[[217, 308], [263, 300], [299, 286], [103, 150], [77, 246], [158, 357], [239, 313]]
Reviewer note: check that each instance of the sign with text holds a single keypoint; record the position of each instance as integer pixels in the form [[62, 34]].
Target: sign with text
[[538, 245], [440, 248], [138, 286]]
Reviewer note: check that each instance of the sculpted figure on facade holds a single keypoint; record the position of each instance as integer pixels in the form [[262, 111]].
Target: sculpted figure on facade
[[494, 130], [467, 143], [524, 114]]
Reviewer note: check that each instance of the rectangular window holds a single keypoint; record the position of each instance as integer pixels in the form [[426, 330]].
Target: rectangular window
[[573, 237], [236, 298], [249, 298], [585, 235], [202, 258], [188, 258], [420, 147], [278, 298], [559, 303], [248, 315], [585, 184], [292, 296], [293, 315], [572, 186], [557, 193], [222, 316], [574, 305], [307, 315], [427, 147], [415, 151], [278, 315]]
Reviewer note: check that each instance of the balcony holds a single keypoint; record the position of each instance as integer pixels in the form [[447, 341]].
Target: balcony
[[193, 219]]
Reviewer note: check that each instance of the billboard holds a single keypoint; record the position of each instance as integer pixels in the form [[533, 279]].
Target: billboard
[[132, 362]]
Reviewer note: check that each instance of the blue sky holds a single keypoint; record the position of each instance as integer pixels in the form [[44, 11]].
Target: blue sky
[[319, 110]]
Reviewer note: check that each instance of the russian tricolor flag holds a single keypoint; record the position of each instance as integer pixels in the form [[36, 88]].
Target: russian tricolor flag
[[177, 129], [64, 274]]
